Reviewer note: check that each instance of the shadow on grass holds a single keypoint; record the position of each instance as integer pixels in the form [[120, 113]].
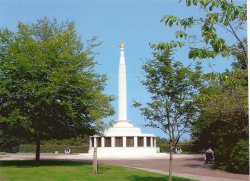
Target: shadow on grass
[[102, 169], [32, 163], [148, 178]]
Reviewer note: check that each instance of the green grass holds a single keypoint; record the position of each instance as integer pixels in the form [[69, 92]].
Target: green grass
[[72, 171]]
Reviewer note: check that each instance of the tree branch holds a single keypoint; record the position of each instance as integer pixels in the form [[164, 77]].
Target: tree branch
[[243, 47]]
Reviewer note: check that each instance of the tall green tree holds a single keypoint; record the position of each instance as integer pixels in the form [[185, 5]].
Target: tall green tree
[[172, 88], [219, 33], [223, 121], [48, 85]]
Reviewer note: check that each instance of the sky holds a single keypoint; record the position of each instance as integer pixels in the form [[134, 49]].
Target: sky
[[136, 22]]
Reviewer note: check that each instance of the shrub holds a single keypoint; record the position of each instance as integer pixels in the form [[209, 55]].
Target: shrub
[[8, 143], [222, 153], [30, 148], [164, 147], [239, 157], [186, 147], [78, 141]]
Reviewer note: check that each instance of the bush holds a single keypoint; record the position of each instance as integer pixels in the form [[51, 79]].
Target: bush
[[186, 147], [78, 141], [9, 143], [30, 148], [232, 156], [222, 153], [164, 147], [239, 157]]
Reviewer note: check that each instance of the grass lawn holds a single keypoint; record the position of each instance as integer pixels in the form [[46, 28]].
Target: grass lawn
[[72, 171]]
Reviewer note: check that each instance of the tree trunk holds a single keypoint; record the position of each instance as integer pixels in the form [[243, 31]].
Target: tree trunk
[[170, 161], [38, 139]]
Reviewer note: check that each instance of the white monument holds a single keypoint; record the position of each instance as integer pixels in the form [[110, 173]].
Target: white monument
[[123, 139]]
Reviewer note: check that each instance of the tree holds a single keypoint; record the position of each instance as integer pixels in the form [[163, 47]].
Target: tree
[[160, 140], [220, 32], [220, 15], [223, 121], [172, 86], [48, 85]]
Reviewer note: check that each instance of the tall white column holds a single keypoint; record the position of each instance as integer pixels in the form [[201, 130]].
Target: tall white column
[[135, 141], [90, 142], [102, 141], [122, 93], [95, 142], [124, 141], [112, 141]]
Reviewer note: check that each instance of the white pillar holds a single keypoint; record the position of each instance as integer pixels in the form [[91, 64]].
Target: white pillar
[[135, 141], [90, 142], [155, 142], [112, 141], [124, 141], [151, 141], [102, 141], [145, 141], [122, 95], [95, 145]]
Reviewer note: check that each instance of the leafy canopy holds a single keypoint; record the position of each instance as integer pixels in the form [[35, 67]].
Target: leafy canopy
[[172, 87], [48, 85], [221, 17]]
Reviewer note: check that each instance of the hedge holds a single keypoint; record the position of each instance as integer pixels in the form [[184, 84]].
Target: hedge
[[186, 147], [78, 141], [30, 148]]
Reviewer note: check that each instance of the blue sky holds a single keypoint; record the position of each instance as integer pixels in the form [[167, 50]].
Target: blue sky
[[136, 22]]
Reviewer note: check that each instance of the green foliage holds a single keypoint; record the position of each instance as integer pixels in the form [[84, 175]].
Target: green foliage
[[223, 120], [76, 145], [233, 157], [164, 147], [219, 15], [239, 157], [78, 141], [48, 85], [222, 100], [160, 140], [30, 148], [172, 87], [9, 143], [185, 147]]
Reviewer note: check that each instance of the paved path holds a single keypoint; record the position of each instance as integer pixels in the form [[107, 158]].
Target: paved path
[[189, 166]]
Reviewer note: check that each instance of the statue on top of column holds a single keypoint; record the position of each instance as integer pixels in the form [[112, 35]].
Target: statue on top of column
[[122, 44]]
